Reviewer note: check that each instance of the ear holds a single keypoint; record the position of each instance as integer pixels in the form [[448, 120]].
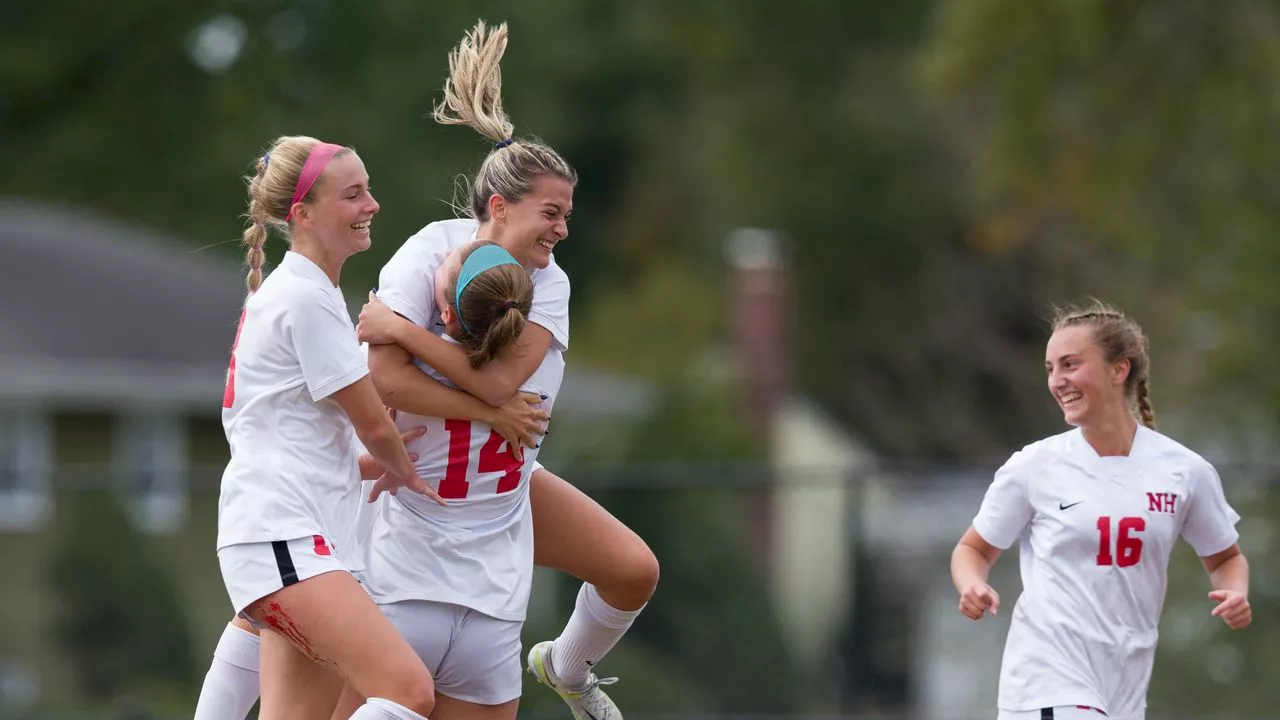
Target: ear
[[301, 212], [1120, 371], [497, 207], [446, 313]]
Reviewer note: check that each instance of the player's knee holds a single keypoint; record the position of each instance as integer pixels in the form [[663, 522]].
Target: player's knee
[[417, 692], [638, 575]]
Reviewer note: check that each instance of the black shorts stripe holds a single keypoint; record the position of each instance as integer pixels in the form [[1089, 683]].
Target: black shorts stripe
[[1046, 713], [284, 561]]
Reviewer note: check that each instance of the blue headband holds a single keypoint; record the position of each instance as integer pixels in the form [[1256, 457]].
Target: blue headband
[[481, 259]]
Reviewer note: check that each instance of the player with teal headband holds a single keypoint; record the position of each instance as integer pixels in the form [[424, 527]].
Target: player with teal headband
[[455, 580], [498, 296]]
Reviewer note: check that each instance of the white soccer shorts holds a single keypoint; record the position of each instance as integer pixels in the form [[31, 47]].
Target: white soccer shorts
[[1069, 712], [252, 571], [472, 656]]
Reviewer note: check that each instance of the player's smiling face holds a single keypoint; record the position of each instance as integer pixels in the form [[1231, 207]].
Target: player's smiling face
[[531, 228], [342, 211], [1083, 383]]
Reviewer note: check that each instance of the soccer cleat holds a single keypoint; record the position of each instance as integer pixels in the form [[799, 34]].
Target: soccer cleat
[[586, 703]]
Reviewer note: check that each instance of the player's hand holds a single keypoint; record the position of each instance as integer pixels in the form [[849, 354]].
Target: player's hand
[[978, 599], [520, 421], [371, 469], [389, 483], [378, 323], [1233, 608]]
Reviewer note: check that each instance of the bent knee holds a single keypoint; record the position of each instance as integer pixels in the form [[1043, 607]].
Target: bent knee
[[634, 578], [644, 573], [416, 692]]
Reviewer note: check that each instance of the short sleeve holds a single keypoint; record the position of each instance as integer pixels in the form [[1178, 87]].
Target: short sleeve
[[551, 303], [1006, 509], [1210, 524], [407, 283], [325, 342]]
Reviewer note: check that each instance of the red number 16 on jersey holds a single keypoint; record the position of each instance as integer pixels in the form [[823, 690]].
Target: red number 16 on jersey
[[1128, 549]]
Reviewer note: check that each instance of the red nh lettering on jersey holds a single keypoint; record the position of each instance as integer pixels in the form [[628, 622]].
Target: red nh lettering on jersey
[[1161, 502]]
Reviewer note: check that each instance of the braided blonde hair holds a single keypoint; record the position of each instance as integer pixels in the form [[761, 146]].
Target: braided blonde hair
[[271, 196]]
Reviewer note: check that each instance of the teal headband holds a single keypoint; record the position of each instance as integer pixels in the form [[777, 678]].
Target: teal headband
[[481, 259]]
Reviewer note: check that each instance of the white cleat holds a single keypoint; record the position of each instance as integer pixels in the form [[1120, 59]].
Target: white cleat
[[588, 702]]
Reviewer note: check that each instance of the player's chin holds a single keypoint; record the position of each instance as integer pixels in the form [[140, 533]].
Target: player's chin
[[540, 257]]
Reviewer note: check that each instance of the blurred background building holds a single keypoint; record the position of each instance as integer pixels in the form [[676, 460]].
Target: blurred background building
[[813, 252]]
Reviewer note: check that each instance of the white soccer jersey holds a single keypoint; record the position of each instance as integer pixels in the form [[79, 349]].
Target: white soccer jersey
[[293, 470], [477, 551], [1096, 534]]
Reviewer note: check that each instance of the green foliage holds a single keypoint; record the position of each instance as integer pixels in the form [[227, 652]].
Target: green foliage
[[697, 419], [710, 618], [1129, 146], [1200, 651], [119, 619], [712, 584]]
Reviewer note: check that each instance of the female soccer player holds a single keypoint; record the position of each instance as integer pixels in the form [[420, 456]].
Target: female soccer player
[[296, 387], [455, 581], [1097, 510], [520, 199]]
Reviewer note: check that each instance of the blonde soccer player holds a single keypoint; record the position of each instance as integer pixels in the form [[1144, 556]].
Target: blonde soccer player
[[455, 581], [297, 387], [520, 199]]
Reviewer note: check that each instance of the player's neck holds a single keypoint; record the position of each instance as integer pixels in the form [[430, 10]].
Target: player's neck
[[493, 232], [490, 231], [332, 266], [1111, 436]]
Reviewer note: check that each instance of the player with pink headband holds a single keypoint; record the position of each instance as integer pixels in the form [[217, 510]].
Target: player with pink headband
[[298, 397]]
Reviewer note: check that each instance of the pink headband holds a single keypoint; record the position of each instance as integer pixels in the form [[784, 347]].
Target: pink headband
[[316, 162]]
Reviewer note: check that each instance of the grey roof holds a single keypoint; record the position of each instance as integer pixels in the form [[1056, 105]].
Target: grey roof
[[93, 307]]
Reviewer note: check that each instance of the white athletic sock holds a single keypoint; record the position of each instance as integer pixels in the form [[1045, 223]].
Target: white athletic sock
[[592, 631], [231, 685], [379, 709]]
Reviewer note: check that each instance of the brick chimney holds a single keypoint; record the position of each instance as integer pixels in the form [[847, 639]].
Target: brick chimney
[[758, 317], [759, 312]]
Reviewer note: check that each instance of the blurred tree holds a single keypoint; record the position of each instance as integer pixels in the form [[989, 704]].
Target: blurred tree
[[1128, 146], [119, 622], [710, 618]]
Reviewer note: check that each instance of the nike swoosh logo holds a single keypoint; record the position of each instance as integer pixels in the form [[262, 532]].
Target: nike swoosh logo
[[1068, 507]]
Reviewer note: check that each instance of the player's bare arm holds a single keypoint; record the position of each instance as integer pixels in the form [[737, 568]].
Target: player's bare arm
[[495, 383], [971, 564], [1229, 574], [402, 386]]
